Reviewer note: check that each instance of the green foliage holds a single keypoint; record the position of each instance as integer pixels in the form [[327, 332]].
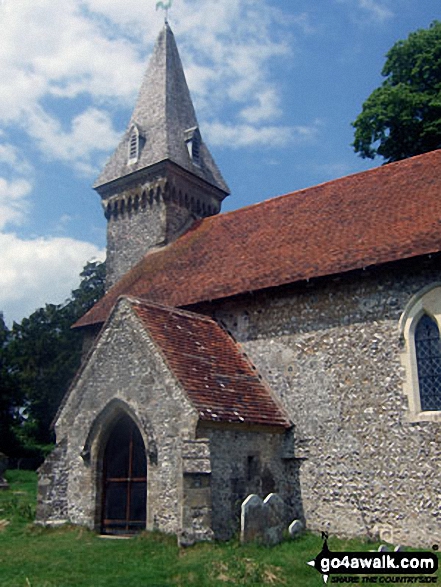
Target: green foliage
[[42, 355], [10, 396], [76, 557], [402, 117], [17, 505]]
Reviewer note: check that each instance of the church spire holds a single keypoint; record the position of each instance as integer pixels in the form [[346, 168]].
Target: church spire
[[164, 122], [161, 176]]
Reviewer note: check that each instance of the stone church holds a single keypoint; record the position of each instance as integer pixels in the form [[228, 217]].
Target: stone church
[[291, 346]]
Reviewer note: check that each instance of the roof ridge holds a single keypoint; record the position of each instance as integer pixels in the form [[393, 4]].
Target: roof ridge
[[373, 170], [377, 216], [171, 309], [226, 390]]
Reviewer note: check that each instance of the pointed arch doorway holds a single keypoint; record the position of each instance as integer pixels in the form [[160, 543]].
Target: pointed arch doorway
[[124, 497]]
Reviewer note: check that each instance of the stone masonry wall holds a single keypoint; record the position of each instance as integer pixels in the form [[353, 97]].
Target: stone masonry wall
[[130, 235], [249, 462], [126, 370], [52, 487], [331, 352], [152, 212]]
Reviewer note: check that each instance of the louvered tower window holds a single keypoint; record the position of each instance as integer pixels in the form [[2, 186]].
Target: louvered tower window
[[133, 154], [195, 149], [428, 354], [193, 141]]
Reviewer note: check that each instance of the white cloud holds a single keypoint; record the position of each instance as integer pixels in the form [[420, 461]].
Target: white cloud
[[95, 50], [13, 201], [39, 271], [16, 185], [231, 45], [66, 72], [376, 10], [11, 157], [246, 135], [267, 107], [90, 131], [60, 55]]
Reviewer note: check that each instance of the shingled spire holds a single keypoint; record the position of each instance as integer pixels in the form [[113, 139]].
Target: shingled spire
[[162, 176]]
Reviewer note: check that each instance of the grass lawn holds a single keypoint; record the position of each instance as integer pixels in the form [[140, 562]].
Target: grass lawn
[[31, 556]]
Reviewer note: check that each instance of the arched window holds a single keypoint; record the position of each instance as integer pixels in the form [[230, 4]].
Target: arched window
[[428, 355], [421, 355]]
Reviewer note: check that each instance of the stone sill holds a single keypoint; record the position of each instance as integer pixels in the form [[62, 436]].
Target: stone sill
[[414, 418]]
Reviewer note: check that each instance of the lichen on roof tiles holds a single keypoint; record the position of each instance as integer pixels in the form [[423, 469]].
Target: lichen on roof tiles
[[217, 378], [377, 216]]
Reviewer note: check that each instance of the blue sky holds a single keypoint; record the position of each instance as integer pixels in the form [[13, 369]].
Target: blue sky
[[276, 86]]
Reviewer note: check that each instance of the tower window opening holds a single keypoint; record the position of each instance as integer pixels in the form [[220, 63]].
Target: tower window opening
[[193, 141], [133, 154], [195, 150]]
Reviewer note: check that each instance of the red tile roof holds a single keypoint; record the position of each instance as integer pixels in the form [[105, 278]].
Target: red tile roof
[[378, 216], [219, 380]]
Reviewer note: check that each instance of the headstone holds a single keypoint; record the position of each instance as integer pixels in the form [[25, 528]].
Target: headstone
[[262, 521], [387, 534], [251, 522], [3, 466], [296, 528], [274, 512]]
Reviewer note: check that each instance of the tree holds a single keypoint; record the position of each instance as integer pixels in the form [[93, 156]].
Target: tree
[[402, 117], [44, 354], [10, 397]]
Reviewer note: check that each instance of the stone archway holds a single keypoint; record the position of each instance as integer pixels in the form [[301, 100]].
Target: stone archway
[[124, 479]]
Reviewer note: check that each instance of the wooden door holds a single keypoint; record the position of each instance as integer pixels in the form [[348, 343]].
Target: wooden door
[[124, 480]]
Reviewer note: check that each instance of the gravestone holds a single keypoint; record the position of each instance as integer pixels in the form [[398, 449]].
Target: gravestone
[[251, 519], [3, 466], [262, 521], [296, 528], [274, 514]]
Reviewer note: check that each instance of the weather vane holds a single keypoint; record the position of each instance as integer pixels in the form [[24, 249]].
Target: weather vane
[[165, 6]]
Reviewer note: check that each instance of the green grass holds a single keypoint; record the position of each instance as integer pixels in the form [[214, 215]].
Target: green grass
[[31, 556]]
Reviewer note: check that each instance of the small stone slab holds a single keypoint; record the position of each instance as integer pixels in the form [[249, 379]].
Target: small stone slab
[[251, 519], [296, 528], [274, 512], [262, 521]]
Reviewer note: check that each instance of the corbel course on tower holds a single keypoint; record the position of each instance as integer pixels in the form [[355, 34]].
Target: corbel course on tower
[[161, 177]]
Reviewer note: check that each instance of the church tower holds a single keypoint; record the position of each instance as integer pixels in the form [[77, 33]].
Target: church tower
[[162, 177]]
